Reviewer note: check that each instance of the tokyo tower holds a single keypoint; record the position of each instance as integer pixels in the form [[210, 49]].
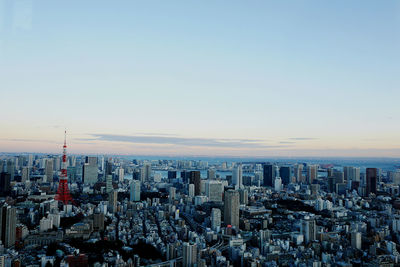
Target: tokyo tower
[[63, 194]]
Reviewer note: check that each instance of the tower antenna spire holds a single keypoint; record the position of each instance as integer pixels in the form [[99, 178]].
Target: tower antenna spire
[[63, 194]]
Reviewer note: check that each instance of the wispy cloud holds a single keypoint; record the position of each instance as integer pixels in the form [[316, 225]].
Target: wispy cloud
[[303, 138], [182, 141], [27, 140], [287, 142]]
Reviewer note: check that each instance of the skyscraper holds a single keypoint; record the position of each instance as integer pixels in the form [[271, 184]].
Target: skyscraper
[[109, 183], [25, 174], [5, 180], [214, 190], [278, 184], [237, 176], [90, 174], [215, 219], [308, 229], [11, 169], [7, 225], [356, 240], [49, 170], [172, 194], [121, 174], [371, 180], [211, 174], [135, 190], [145, 172], [112, 201], [312, 173], [191, 190], [196, 180], [231, 208], [285, 174], [298, 172], [189, 253], [268, 173]]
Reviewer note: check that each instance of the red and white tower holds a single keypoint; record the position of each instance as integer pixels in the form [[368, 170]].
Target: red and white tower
[[63, 194]]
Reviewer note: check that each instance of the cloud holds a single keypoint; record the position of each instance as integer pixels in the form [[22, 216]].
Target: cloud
[[28, 140], [287, 142], [175, 140], [303, 138]]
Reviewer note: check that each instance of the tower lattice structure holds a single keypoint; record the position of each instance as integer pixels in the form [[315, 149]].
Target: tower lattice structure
[[63, 194]]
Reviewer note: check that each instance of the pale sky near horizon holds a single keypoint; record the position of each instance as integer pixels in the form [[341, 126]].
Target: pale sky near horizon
[[232, 78]]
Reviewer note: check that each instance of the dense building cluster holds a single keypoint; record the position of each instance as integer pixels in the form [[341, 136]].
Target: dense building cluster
[[131, 212]]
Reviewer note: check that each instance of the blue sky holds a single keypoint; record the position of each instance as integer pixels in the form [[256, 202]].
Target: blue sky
[[257, 78]]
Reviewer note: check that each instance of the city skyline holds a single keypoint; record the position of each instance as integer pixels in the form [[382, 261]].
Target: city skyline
[[258, 79]]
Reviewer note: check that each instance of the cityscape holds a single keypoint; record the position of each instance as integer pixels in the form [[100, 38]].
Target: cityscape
[[168, 133], [75, 210]]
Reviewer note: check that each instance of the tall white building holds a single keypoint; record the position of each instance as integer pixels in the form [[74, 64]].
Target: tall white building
[[237, 179], [189, 255], [46, 224], [172, 194], [356, 240], [135, 190], [191, 190], [121, 174], [278, 184], [309, 230]]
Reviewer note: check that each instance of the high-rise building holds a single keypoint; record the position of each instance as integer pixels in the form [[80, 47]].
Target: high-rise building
[[108, 169], [312, 173], [309, 230], [285, 174], [298, 172], [109, 183], [5, 180], [11, 169], [30, 160], [237, 176], [112, 201], [49, 170], [268, 173], [25, 174], [231, 208], [98, 221], [278, 184], [8, 220], [121, 174], [356, 240], [91, 161], [72, 173], [243, 197], [196, 180], [145, 172], [135, 190], [215, 219], [371, 180], [191, 190], [90, 173], [189, 254], [214, 190], [211, 173], [172, 194], [171, 175]]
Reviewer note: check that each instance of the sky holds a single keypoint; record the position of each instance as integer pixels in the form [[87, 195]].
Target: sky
[[208, 78]]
